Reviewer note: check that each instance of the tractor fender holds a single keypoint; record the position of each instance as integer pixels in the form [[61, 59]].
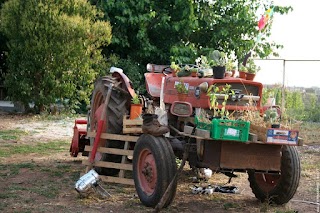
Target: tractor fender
[[126, 83]]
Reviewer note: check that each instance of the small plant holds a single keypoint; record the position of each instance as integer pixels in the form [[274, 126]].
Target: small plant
[[218, 58], [252, 67], [242, 68], [271, 115], [194, 70], [175, 67], [230, 65], [202, 62], [135, 99], [213, 93], [181, 87]]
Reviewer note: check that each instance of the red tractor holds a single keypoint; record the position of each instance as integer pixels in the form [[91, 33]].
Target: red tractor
[[273, 168]]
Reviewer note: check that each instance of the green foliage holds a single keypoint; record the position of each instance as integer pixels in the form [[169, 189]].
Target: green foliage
[[53, 50], [213, 92], [134, 71], [298, 105], [135, 99], [40, 148], [178, 30], [181, 87], [252, 67], [217, 58], [146, 30]]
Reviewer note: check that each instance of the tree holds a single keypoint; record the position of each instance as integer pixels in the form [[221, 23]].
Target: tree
[[181, 30], [54, 50], [152, 31]]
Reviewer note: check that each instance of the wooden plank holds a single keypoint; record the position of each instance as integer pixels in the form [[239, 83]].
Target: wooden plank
[[124, 160], [136, 130], [132, 122], [113, 151], [132, 126], [109, 165], [117, 180], [117, 137]]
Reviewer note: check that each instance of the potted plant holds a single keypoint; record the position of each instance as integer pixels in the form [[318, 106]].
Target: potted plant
[[230, 68], [194, 72], [272, 117], [182, 90], [218, 61], [204, 67], [242, 71], [175, 68], [185, 71], [136, 107], [252, 70]]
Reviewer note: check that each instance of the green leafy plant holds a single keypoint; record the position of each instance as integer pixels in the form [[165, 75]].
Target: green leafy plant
[[242, 68], [252, 67], [230, 65], [194, 70], [135, 99], [214, 92], [181, 87], [217, 58], [174, 66], [271, 115]]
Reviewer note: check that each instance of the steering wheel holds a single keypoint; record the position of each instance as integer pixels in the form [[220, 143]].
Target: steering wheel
[[166, 71]]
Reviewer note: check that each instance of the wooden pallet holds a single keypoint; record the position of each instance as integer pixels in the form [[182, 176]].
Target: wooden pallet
[[132, 126], [129, 126]]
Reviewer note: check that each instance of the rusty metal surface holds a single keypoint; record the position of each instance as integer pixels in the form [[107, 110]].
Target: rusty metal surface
[[241, 156], [211, 154], [235, 155]]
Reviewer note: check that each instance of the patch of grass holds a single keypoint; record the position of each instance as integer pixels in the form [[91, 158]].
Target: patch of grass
[[6, 195], [47, 189], [310, 166], [40, 148], [11, 134], [310, 132], [13, 169], [228, 206], [3, 205], [61, 116]]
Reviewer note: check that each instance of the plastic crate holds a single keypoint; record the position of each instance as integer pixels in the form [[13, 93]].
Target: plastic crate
[[202, 125], [234, 130]]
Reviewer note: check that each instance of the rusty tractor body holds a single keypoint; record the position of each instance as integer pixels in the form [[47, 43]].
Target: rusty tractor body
[[273, 168]]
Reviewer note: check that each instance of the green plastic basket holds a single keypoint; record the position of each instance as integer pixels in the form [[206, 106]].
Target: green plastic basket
[[202, 125], [235, 130]]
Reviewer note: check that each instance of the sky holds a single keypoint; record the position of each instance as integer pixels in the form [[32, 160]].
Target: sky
[[299, 32]]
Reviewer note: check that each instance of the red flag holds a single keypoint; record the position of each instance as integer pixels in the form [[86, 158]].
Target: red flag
[[262, 22]]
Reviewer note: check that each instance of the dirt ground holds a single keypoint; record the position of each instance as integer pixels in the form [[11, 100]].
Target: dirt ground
[[44, 182]]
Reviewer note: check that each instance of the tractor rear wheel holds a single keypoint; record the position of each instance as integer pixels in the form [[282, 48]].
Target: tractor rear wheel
[[278, 188], [116, 109], [154, 167]]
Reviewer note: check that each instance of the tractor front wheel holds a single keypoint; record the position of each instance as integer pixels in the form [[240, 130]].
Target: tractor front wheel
[[154, 167], [278, 188]]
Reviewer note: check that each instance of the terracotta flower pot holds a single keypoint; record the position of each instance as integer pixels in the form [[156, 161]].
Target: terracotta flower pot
[[242, 74], [250, 76], [135, 111], [182, 96], [233, 72], [194, 74], [228, 74]]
